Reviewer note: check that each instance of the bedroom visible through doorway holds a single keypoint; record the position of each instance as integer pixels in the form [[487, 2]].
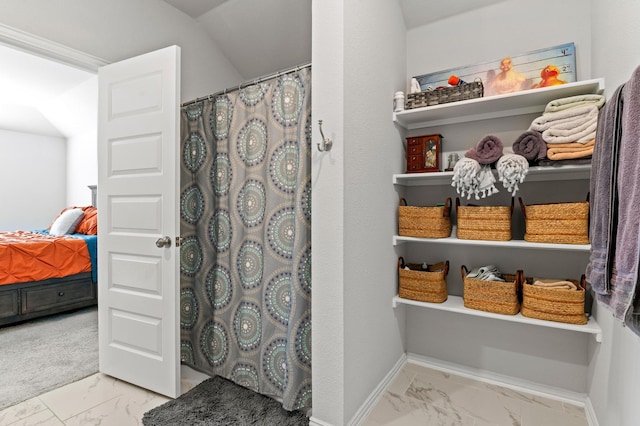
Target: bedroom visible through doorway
[[48, 135]]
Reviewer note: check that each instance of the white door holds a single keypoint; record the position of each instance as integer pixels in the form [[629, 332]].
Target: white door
[[138, 178]]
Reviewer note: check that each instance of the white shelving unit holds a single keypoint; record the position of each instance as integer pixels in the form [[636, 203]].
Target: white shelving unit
[[456, 304], [535, 174], [517, 244], [518, 103], [502, 106]]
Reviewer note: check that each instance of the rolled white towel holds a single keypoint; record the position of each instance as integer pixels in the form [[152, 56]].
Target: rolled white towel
[[512, 169], [465, 177], [486, 181]]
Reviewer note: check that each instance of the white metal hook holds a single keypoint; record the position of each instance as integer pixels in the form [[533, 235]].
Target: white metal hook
[[326, 143]]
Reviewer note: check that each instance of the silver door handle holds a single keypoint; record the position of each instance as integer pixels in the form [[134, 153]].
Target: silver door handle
[[163, 242]]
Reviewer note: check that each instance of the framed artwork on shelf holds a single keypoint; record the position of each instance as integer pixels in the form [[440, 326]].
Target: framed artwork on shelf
[[540, 68]]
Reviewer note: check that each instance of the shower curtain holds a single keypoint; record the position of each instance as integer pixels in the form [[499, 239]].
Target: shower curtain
[[245, 255]]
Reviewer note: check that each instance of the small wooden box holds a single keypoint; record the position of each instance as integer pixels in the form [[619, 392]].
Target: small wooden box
[[423, 153]]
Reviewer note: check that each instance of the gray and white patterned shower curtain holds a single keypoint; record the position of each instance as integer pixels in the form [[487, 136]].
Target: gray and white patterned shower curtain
[[245, 258]]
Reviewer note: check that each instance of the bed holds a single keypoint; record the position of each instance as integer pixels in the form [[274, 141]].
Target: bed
[[52, 270]]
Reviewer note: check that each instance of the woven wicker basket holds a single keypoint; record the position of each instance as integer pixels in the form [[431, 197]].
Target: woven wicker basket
[[424, 222], [492, 296], [559, 223], [484, 222], [558, 305], [445, 95], [425, 286]]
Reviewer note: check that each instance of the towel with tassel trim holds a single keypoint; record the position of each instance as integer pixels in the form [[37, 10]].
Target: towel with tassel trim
[[470, 178], [512, 169]]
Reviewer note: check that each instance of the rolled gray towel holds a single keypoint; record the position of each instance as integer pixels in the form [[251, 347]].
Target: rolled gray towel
[[487, 151], [530, 145]]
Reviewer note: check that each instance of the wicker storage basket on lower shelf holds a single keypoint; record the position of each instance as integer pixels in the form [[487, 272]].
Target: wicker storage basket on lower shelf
[[424, 286], [558, 223], [560, 305], [424, 222], [492, 296], [484, 222]]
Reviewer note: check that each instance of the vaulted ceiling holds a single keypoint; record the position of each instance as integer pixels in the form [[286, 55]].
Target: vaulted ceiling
[[30, 90], [260, 37]]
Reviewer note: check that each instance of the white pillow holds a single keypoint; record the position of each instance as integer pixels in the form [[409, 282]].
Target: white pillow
[[67, 222]]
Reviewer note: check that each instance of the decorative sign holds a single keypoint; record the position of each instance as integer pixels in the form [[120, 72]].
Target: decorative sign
[[540, 68]]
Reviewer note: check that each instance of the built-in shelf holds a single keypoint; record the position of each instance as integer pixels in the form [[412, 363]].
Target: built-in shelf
[[511, 104], [397, 240], [456, 304], [492, 107], [535, 174]]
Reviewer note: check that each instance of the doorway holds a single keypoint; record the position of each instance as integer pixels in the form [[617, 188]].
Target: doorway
[[48, 126]]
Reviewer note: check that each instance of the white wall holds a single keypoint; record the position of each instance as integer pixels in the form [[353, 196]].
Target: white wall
[[33, 180], [615, 370], [357, 338], [502, 29], [75, 113], [327, 227], [118, 29], [82, 167], [375, 68]]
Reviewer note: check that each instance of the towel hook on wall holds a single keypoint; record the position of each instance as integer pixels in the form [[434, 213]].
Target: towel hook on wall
[[326, 143]]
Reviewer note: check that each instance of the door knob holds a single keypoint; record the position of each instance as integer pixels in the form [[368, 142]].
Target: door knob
[[163, 242]]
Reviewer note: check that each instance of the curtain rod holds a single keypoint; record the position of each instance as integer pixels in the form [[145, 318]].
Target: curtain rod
[[248, 83]]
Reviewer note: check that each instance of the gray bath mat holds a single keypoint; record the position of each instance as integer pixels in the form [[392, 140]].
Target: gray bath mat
[[217, 402]]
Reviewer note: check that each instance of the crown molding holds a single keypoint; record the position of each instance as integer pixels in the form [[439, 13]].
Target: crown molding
[[49, 49]]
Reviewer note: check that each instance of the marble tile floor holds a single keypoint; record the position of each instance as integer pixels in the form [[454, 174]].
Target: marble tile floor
[[423, 396], [95, 400], [418, 396]]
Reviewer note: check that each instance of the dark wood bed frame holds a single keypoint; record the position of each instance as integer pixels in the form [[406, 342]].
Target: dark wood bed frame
[[24, 301]]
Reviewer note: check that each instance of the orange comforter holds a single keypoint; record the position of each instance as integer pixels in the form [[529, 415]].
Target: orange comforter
[[29, 256]]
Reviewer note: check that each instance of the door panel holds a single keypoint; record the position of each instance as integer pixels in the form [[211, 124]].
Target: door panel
[[138, 140]]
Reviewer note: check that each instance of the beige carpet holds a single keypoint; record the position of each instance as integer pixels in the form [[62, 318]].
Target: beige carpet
[[46, 353]]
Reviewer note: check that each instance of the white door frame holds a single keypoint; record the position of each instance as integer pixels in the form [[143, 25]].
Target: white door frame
[[49, 49]]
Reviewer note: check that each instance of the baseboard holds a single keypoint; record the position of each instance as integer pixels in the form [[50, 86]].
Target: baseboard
[[315, 422], [377, 393], [591, 413], [372, 399], [499, 379], [481, 375]]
